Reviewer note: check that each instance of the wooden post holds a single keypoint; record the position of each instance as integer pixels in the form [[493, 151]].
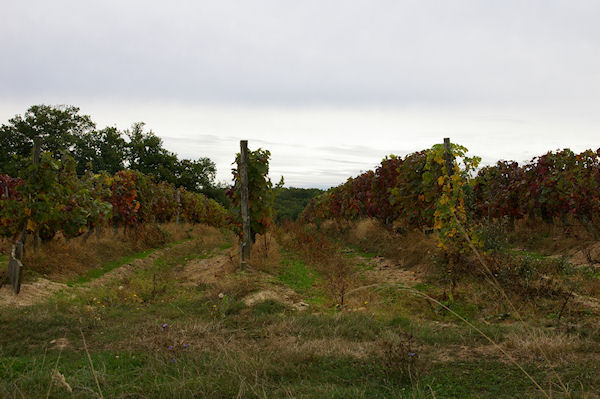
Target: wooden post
[[246, 241], [178, 199], [448, 157], [37, 145], [19, 250], [15, 267]]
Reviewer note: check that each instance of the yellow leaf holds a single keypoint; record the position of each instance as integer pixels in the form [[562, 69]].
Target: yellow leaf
[[31, 225], [440, 180]]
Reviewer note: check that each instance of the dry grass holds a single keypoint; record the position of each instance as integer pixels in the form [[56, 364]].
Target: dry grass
[[316, 248], [411, 248], [556, 345], [62, 259], [549, 238], [188, 336], [234, 286], [237, 337], [291, 344], [265, 255]]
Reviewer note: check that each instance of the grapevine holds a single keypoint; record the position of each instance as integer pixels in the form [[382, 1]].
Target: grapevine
[[450, 215], [260, 194]]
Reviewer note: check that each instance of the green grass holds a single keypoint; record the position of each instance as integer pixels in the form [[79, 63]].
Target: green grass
[[219, 347], [480, 379], [221, 351], [225, 246], [269, 307], [188, 374], [151, 368], [297, 275], [303, 279], [108, 266], [355, 251]]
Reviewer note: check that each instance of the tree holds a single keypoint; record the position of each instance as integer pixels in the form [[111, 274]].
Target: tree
[[218, 192], [146, 154], [195, 175], [61, 128], [104, 149]]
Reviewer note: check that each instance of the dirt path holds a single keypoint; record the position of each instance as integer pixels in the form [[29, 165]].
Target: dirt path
[[205, 271], [215, 270], [383, 270], [388, 271], [42, 289], [31, 293]]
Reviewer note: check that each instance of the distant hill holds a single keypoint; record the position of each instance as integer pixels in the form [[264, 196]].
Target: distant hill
[[290, 201]]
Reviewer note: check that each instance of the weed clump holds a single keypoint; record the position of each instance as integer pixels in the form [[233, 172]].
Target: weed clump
[[530, 277], [316, 249], [400, 359]]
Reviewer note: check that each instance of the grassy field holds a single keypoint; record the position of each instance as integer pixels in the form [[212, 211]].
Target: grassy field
[[313, 318]]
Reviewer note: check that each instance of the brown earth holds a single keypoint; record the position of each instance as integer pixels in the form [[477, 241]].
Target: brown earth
[[389, 271], [205, 271], [31, 293], [41, 289]]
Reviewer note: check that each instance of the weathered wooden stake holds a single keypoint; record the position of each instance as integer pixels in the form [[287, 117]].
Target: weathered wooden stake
[[15, 267], [178, 199], [246, 241], [448, 157], [37, 146], [19, 250]]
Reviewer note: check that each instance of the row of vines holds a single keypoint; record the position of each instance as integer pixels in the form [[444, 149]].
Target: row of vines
[[50, 197], [418, 191]]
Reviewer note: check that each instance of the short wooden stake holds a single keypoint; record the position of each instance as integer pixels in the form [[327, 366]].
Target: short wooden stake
[[246, 241], [449, 158]]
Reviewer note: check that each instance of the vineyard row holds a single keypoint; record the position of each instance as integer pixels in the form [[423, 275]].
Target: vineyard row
[[49, 197], [403, 191]]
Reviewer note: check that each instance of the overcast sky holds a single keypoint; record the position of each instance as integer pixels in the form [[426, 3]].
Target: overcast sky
[[329, 87]]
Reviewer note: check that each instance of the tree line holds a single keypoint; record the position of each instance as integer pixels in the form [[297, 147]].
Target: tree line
[[110, 150]]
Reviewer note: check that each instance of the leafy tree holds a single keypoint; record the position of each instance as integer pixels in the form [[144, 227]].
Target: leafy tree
[[218, 192], [195, 176], [103, 150], [10, 197], [145, 153], [61, 128]]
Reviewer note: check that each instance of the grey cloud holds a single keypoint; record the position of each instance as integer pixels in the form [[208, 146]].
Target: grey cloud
[[199, 139], [329, 87], [338, 161], [349, 150], [290, 52]]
